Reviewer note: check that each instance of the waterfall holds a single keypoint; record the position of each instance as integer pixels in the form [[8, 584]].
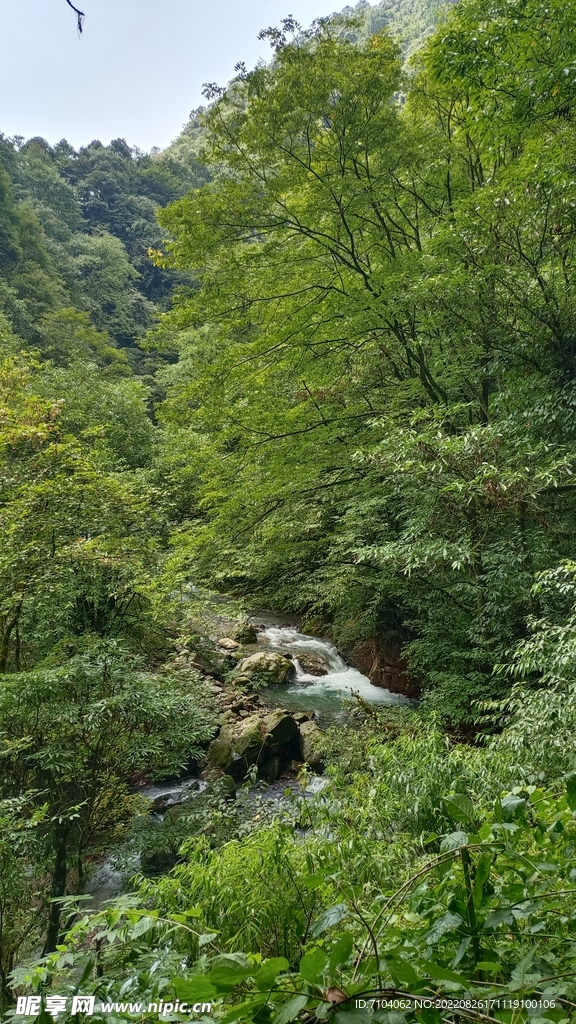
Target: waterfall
[[341, 680]]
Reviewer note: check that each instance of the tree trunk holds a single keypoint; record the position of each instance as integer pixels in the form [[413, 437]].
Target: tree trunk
[[9, 625], [59, 878]]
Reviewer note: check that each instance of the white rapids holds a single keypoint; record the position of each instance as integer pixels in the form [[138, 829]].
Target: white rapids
[[341, 680]]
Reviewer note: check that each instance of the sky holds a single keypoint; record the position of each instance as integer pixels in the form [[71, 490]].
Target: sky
[[138, 69]]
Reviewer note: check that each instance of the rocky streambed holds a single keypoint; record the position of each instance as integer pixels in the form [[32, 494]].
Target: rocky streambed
[[276, 688], [285, 685]]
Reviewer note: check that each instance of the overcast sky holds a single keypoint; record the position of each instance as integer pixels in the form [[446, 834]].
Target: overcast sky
[[137, 71]]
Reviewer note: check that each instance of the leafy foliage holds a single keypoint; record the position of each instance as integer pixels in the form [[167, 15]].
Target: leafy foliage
[[360, 406], [487, 916], [376, 372]]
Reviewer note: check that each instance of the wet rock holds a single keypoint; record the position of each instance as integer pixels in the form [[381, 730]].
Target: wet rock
[[303, 716], [270, 770], [384, 665], [265, 668], [313, 664], [315, 626], [228, 643], [245, 633], [253, 740], [280, 727], [163, 802], [311, 744], [157, 863]]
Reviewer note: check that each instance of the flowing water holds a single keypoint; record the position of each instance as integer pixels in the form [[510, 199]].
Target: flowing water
[[323, 694]]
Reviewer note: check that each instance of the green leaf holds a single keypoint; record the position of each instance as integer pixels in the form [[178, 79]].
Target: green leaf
[[429, 1016], [312, 965], [229, 969], [194, 990], [403, 972], [341, 951], [290, 1010], [571, 792], [489, 965], [512, 806], [453, 841], [481, 875], [269, 971], [142, 926], [330, 917], [447, 923], [503, 916], [193, 912], [485, 831], [459, 806], [322, 1010], [444, 973], [312, 882], [461, 951], [352, 1016], [241, 1011]]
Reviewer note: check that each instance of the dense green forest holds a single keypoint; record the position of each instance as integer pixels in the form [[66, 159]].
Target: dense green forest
[[318, 356]]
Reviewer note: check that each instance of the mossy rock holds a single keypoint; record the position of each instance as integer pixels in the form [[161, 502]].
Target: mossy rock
[[280, 727], [244, 633], [312, 744], [258, 739], [315, 626], [265, 668]]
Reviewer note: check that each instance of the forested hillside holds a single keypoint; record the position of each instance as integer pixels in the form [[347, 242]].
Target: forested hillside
[[318, 357], [408, 21]]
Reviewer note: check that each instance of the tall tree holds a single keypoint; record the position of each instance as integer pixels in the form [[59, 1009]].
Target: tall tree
[[377, 366]]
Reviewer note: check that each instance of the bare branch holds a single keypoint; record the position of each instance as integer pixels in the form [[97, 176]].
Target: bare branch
[[79, 14]]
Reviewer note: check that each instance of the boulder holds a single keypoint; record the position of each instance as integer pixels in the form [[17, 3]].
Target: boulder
[[248, 737], [280, 727], [245, 633], [313, 664], [382, 661], [258, 739], [157, 863], [211, 662], [237, 741], [315, 626], [228, 644], [270, 770], [220, 750], [311, 744], [303, 716], [265, 668]]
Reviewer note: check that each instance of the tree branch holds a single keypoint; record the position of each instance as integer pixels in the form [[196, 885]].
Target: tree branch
[[79, 14]]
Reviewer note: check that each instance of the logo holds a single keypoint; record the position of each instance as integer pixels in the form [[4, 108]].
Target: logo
[[29, 1006]]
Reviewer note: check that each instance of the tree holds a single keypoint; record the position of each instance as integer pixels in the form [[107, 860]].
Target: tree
[[75, 554], [378, 365], [74, 736]]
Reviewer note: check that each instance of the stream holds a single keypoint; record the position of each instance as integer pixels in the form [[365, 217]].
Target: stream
[[326, 695], [322, 694]]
